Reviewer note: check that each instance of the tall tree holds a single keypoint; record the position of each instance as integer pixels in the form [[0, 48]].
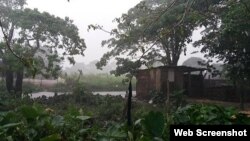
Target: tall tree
[[227, 38], [45, 40], [7, 23], [152, 31]]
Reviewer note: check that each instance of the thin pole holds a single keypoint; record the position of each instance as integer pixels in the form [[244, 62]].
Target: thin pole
[[168, 97], [129, 119]]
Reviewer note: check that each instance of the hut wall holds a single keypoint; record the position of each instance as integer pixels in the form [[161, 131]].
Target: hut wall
[[158, 79], [164, 78], [179, 82], [147, 81], [142, 84]]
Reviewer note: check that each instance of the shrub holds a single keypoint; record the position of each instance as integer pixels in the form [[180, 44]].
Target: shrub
[[208, 114]]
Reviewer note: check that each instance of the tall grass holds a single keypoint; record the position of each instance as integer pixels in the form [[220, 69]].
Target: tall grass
[[103, 82]]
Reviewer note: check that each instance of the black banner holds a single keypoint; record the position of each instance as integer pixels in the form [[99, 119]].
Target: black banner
[[199, 132]]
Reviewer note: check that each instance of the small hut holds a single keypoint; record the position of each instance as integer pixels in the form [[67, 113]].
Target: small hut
[[167, 79]]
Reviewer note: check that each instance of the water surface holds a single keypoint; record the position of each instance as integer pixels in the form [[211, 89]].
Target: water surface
[[113, 93]]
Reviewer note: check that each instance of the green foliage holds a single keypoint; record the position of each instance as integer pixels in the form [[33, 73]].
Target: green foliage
[[158, 97], [103, 107], [54, 137], [226, 37], [98, 118], [154, 124], [208, 114], [177, 99], [113, 133], [37, 123], [40, 36], [97, 82], [150, 127], [149, 34], [2, 86]]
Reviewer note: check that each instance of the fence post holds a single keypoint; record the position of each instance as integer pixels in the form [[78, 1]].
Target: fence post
[[129, 119]]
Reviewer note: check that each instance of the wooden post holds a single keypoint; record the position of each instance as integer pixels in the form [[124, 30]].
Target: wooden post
[[168, 96], [202, 84], [129, 119], [189, 83], [209, 82], [170, 78], [242, 99]]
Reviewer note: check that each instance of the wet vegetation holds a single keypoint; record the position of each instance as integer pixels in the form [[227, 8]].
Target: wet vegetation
[[83, 116], [151, 32], [102, 82]]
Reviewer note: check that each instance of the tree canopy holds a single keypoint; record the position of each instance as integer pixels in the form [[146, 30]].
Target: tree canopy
[[159, 30], [39, 40], [152, 31], [227, 38]]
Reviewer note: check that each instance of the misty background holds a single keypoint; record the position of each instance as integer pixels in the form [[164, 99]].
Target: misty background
[[87, 12]]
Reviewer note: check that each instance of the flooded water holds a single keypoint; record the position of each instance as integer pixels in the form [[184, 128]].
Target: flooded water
[[51, 94], [47, 94], [114, 93]]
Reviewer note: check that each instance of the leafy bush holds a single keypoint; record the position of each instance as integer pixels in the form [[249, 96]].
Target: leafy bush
[[158, 98], [113, 133], [151, 127], [84, 116], [2, 86], [102, 107], [177, 99], [208, 114], [37, 123], [100, 82]]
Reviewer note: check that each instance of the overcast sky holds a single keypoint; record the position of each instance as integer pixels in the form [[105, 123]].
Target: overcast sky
[[85, 12]]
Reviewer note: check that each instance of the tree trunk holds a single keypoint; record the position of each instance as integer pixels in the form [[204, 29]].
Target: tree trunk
[[9, 80], [19, 83], [174, 62]]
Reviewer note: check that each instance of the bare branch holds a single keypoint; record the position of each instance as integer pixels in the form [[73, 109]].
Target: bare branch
[[148, 50], [94, 27]]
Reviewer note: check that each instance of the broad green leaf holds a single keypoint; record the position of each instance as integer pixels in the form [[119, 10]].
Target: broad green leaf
[[144, 138], [54, 137], [83, 131], [113, 132], [58, 121], [82, 118], [130, 136], [10, 125], [29, 112], [154, 123], [9, 138], [137, 122]]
